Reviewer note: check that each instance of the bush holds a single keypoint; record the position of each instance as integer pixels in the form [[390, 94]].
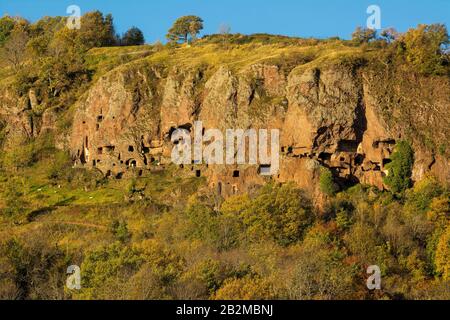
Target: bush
[[442, 261], [279, 213], [326, 182], [60, 164], [400, 169], [120, 231], [247, 288]]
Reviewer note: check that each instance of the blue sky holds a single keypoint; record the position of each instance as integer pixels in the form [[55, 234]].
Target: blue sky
[[304, 18]]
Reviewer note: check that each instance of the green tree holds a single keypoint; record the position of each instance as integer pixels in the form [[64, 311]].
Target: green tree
[[442, 261], [363, 35], [133, 37], [120, 231], [423, 47], [6, 26], [399, 174], [279, 213], [96, 30], [326, 182], [184, 27]]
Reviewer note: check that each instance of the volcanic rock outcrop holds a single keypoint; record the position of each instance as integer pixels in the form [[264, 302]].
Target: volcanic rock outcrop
[[326, 117]]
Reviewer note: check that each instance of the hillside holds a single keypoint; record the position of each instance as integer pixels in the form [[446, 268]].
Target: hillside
[[86, 175]]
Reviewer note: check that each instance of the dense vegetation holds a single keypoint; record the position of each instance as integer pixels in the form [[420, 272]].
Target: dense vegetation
[[167, 236]]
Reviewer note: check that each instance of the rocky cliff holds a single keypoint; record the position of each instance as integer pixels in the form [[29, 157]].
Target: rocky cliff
[[343, 116]]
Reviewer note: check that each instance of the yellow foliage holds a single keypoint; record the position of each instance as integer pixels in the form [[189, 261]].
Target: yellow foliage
[[442, 259], [245, 289]]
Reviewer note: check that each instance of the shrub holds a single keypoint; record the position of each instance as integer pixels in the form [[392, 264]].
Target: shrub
[[59, 165], [400, 169], [442, 261], [279, 213], [247, 288], [120, 231], [326, 182]]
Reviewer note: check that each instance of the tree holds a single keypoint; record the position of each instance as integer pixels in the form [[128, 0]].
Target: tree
[[389, 34], [279, 213], [248, 288], [400, 169], [442, 260], [363, 35], [224, 31], [184, 27], [15, 48], [320, 273], [96, 30], [326, 182], [424, 48], [133, 37], [6, 26]]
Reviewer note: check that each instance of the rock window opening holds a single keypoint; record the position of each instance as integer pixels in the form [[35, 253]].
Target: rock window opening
[[325, 156], [348, 146], [236, 174], [198, 173], [359, 159], [131, 163], [265, 169], [130, 149]]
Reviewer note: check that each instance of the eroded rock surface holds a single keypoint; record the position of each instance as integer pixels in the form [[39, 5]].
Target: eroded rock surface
[[326, 117]]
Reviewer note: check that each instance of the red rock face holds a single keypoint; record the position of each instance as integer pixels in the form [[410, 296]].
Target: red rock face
[[326, 117]]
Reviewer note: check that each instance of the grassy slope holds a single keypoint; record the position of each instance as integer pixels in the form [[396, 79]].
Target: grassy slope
[[62, 203]]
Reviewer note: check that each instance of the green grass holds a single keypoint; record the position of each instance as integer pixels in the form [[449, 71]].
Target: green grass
[[102, 60]]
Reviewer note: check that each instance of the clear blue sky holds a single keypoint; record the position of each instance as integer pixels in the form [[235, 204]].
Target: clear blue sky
[[303, 18]]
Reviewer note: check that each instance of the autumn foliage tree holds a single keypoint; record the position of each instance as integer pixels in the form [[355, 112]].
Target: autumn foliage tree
[[424, 48]]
